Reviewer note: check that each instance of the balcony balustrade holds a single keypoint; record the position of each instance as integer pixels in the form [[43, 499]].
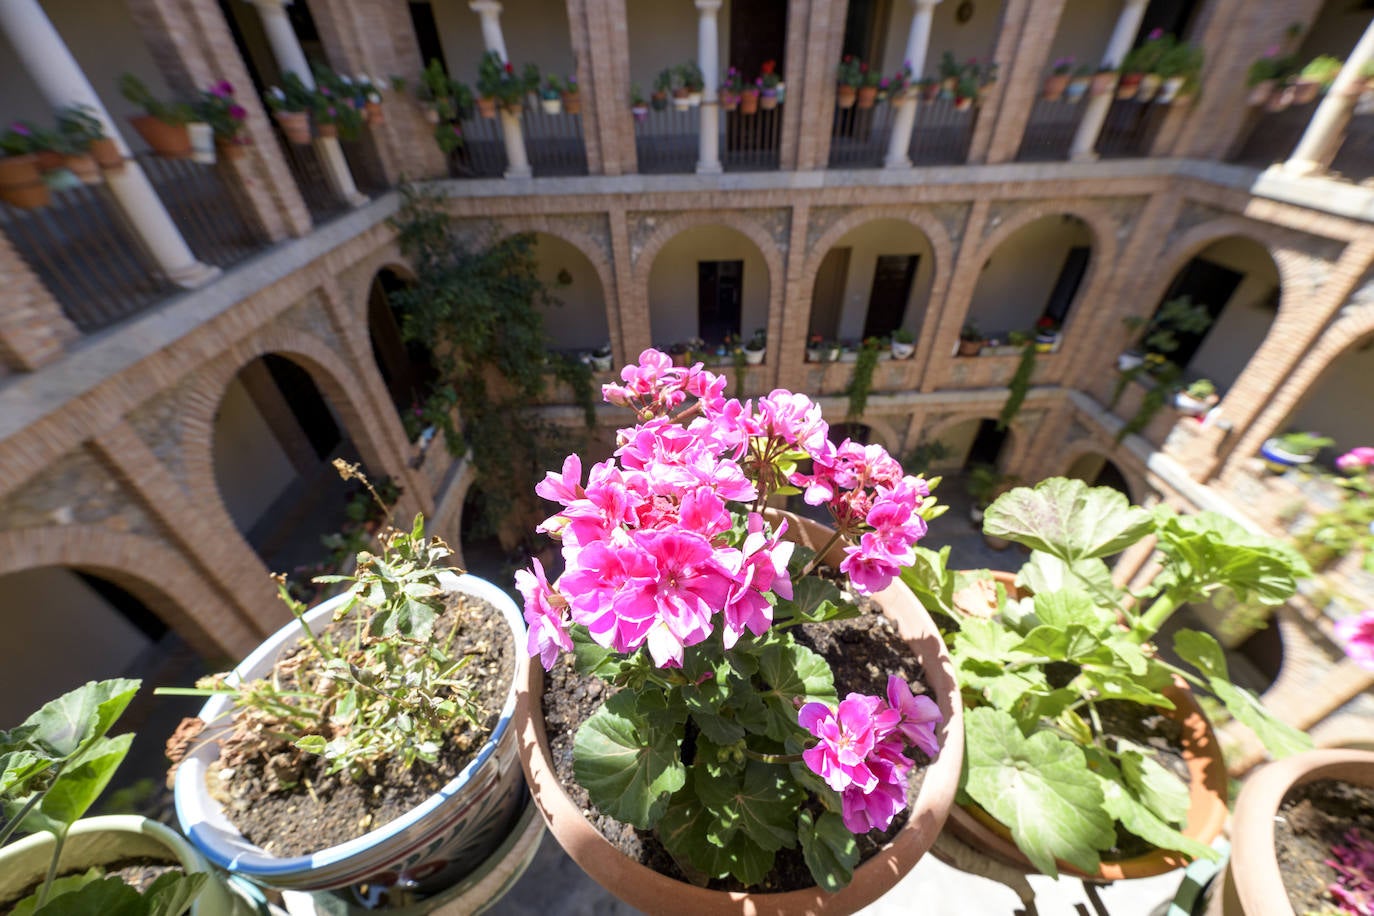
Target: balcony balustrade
[[1050, 130], [554, 142], [1276, 133], [860, 136], [1129, 128], [753, 142], [666, 141], [943, 133], [308, 170], [82, 249], [482, 153]]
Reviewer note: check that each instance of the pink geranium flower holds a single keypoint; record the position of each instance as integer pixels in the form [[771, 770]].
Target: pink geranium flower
[[544, 612], [1356, 635]]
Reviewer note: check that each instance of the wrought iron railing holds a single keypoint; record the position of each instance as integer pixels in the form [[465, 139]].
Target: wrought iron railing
[[319, 195], [943, 132], [82, 248], [752, 142], [483, 151], [666, 141], [1355, 159], [1050, 130], [859, 136], [554, 142], [365, 164], [1274, 134], [1129, 128]]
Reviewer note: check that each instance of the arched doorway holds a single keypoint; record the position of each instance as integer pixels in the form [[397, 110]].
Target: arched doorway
[[275, 436], [707, 282], [1096, 469], [1216, 311], [1035, 273], [574, 310], [407, 367], [874, 280], [116, 631]]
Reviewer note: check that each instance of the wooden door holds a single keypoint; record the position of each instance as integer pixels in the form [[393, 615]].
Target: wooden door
[[892, 278], [720, 294], [827, 299], [758, 32]]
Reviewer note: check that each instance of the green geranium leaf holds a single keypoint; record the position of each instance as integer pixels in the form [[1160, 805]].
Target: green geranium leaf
[[1044, 574], [61, 886], [590, 658], [686, 830], [67, 725], [812, 599], [1158, 789], [931, 580], [1067, 644], [762, 802], [1120, 685], [985, 640], [18, 768], [1068, 519], [629, 767], [800, 559], [830, 850], [1039, 788], [1211, 550], [1072, 607], [1203, 652], [794, 673]]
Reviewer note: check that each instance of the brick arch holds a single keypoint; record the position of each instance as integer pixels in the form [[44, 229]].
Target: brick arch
[[1197, 239], [148, 569], [361, 275], [1009, 446], [919, 219], [750, 229], [327, 371], [1101, 230], [590, 250], [1353, 328], [1134, 484]]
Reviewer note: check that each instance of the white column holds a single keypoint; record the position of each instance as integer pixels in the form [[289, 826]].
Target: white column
[[55, 71], [512, 133], [286, 48], [708, 59], [492, 37], [1095, 114], [1324, 133], [917, 44]]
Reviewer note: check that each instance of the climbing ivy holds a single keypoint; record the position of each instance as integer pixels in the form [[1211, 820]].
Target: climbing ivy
[[1019, 385], [862, 382]]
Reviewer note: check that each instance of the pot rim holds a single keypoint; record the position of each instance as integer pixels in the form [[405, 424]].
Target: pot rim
[[1252, 825], [202, 818], [653, 891]]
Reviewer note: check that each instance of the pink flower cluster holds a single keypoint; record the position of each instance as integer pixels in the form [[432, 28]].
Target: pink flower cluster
[[1356, 636], [1356, 460], [648, 549], [860, 750], [1353, 888]]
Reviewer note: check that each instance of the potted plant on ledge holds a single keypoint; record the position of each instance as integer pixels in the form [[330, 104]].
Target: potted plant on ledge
[[756, 347], [291, 103], [1197, 399], [406, 680], [1087, 753], [1292, 449], [970, 339], [714, 648], [164, 127], [903, 343], [848, 76]]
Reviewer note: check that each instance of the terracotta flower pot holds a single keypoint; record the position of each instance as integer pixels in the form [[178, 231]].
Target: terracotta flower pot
[[1306, 91], [1128, 85], [1206, 812], [768, 99], [83, 166], [1054, 87], [1102, 83], [106, 154], [572, 102], [170, 141], [295, 124], [486, 106], [327, 131], [846, 96], [656, 893], [749, 102], [970, 347], [21, 183], [1251, 884], [49, 160], [867, 96], [228, 149], [374, 114]]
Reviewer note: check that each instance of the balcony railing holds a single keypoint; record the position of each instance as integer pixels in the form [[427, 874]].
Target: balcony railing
[[321, 199], [752, 142], [483, 153], [554, 142], [1355, 159], [83, 250], [943, 133], [1050, 130], [666, 141], [1276, 134], [1129, 128], [859, 136]]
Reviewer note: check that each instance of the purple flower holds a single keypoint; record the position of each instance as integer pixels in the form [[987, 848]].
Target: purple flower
[[1155, 34], [919, 715], [22, 129], [224, 89], [847, 737], [238, 112], [544, 613], [1356, 636]]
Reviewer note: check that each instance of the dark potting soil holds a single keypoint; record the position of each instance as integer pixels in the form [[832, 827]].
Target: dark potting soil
[[320, 811], [1312, 818], [137, 872], [861, 652], [1162, 736]]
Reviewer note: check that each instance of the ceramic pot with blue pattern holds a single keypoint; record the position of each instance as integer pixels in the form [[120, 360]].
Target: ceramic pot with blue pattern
[[425, 850]]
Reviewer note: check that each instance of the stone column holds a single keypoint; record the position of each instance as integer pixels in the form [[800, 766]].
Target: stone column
[[286, 48], [917, 43], [492, 36], [1324, 134], [708, 58], [55, 71], [517, 160], [1095, 115]]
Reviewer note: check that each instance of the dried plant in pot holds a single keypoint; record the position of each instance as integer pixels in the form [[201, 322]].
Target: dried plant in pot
[[1070, 704], [699, 621], [406, 683]]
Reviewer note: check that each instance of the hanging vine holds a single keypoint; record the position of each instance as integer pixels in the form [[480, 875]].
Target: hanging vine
[[862, 382], [1018, 386]]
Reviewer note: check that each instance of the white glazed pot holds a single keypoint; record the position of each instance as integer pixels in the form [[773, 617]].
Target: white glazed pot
[[432, 846]]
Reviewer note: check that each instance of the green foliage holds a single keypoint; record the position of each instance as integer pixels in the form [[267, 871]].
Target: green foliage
[[862, 382], [137, 92], [332, 103], [478, 310], [293, 95], [1019, 385], [577, 375], [1034, 672], [79, 125], [1303, 443]]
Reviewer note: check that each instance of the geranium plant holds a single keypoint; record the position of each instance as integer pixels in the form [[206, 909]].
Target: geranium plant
[[1037, 668], [727, 736], [1349, 525], [218, 108]]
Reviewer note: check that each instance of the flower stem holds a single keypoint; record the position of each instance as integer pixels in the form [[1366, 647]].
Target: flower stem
[[820, 554], [773, 758]]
